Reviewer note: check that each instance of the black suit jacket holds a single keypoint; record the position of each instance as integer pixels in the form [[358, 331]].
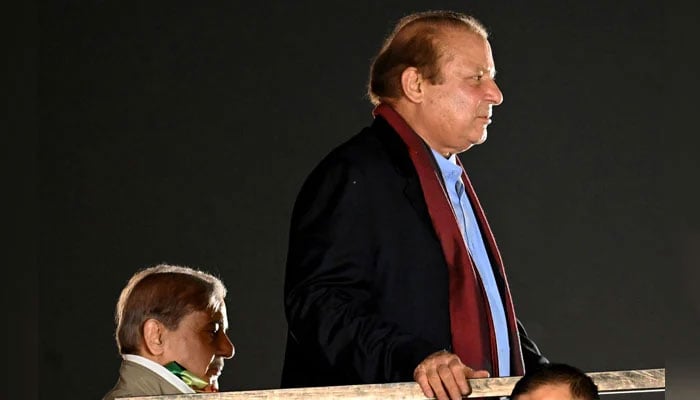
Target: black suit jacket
[[366, 285]]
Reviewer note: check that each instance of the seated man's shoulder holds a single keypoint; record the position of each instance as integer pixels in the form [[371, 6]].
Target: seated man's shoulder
[[137, 380]]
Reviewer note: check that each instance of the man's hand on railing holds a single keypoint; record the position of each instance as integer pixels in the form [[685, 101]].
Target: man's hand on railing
[[442, 375]]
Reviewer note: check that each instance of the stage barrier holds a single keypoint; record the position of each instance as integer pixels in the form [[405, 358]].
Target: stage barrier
[[630, 381]]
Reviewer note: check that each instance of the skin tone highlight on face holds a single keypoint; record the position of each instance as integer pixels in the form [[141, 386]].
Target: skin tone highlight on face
[[452, 114], [200, 343]]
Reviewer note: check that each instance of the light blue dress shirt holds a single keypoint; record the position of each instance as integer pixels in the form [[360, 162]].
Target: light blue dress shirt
[[466, 219]]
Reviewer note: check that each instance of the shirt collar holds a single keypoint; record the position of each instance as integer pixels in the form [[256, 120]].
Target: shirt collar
[[451, 172], [160, 370]]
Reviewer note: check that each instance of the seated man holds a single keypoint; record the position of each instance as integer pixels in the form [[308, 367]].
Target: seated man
[[555, 382], [171, 332]]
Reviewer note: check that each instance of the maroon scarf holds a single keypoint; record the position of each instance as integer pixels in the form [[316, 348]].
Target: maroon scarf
[[472, 340]]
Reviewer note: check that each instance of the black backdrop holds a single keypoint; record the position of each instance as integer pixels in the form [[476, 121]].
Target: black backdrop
[[180, 132]]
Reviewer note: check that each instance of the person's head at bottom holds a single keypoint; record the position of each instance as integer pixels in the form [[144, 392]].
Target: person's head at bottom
[[555, 381], [176, 316]]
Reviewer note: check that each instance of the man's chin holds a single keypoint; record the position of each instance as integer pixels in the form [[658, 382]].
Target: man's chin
[[483, 137], [481, 140]]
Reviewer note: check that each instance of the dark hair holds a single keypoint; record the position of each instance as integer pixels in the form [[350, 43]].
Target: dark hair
[[581, 385], [415, 42], [166, 293]]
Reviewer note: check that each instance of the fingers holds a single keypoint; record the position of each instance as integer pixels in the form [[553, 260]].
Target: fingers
[[422, 379], [442, 375], [477, 374], [452, 382], [431, 383], [436, 384], [459, 369]]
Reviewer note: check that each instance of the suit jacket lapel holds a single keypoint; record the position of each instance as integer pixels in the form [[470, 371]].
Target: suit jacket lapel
[[397, 151]]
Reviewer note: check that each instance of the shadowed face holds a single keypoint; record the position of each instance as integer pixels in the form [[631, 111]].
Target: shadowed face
[[200, 343]]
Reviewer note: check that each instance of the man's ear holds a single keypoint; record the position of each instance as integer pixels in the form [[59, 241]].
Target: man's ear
[[152, 335], [412, 84]]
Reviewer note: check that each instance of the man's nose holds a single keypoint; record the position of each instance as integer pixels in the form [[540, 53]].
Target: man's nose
[[226, 349], [495, 96]]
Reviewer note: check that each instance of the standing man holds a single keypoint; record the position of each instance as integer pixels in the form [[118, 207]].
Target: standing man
[[393, 273]]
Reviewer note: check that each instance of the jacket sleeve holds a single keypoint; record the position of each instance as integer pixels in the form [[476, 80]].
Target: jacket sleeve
[[532, 357], [330, 286]]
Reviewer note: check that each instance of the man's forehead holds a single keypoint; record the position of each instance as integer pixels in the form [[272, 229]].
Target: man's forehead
[[473, 65], [209, 316], [219, 316], [470, 49]]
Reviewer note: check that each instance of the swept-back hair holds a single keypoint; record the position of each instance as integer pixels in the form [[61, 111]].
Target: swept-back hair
[[166, 293], [416, 41]]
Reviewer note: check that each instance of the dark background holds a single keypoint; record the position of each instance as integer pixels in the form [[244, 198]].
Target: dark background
[[180, 132]]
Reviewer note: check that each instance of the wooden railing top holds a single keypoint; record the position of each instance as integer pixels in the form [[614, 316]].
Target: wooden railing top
[[630, 381]]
